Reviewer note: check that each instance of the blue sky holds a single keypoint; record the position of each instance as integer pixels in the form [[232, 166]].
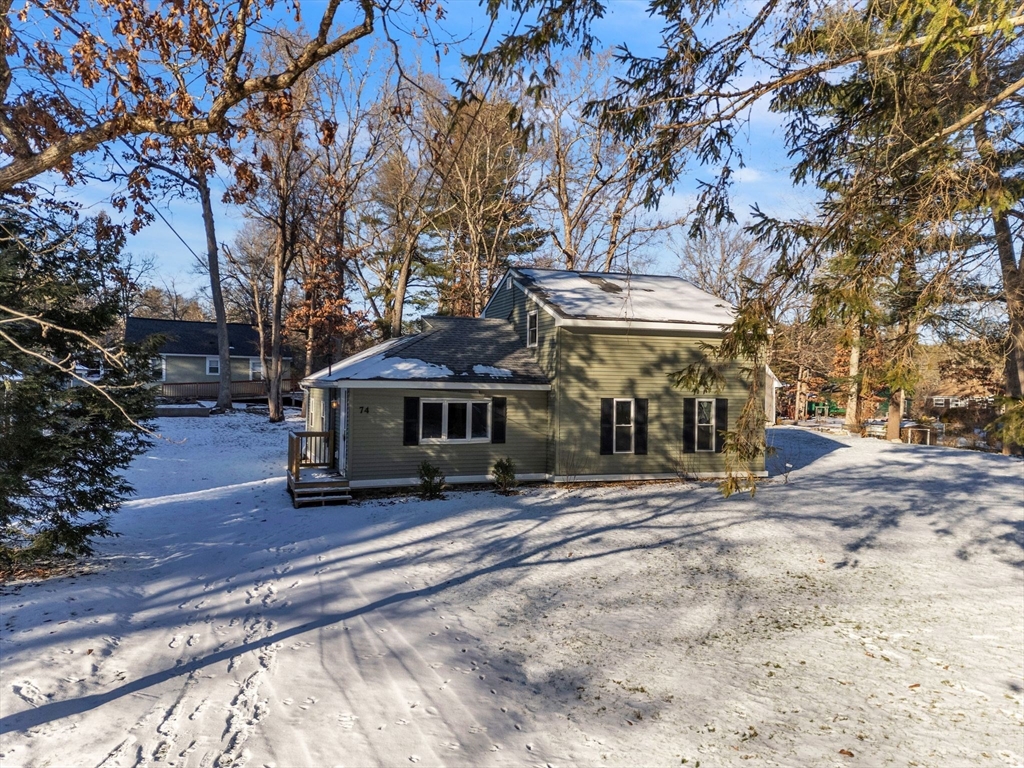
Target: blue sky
[[764, 180]]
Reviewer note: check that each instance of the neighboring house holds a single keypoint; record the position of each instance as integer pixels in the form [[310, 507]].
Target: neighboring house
[[566, 372], [973, 394], [189, 365]]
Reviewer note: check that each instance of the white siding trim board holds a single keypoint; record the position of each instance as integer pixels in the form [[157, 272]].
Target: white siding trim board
[[396, 482], [416, 384], [399, 482]]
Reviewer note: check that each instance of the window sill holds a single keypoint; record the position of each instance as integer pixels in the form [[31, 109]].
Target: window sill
[[446, 441]]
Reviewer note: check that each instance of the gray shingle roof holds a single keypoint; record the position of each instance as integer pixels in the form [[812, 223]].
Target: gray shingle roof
[[186, 337], [456, 350]]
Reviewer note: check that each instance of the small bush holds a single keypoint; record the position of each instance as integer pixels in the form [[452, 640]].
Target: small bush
[[505, 476], [431, 481]]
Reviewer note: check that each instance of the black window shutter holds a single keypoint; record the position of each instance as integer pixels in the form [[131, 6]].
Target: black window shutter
[[498, 417], [721, 422], [606, 425], [640, 426], [411, 430], [689, 425]]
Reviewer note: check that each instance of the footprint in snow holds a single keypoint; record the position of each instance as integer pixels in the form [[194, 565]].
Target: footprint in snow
[[413, 759], [400, 721], [347, 721], [192, 640], [29, 693], [452, 745], [175, 642]]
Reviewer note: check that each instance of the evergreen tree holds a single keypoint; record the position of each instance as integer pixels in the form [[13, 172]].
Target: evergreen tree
[[63, 437]]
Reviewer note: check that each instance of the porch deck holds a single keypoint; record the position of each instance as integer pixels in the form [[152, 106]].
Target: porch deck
[[314, 452]]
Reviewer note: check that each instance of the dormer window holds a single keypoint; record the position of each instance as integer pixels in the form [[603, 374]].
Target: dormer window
[[508, 283], [531, 329]]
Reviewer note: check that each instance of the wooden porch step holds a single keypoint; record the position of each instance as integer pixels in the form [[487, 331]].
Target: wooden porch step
[[303, 500], [324, 491]]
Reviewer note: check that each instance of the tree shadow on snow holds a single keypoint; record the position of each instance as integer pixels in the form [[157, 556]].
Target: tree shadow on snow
[[792, 449], [523, 537]]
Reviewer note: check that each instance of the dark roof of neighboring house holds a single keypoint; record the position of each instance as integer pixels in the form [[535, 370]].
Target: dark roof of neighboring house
[[188, 337], [613, 296], [456, 350]]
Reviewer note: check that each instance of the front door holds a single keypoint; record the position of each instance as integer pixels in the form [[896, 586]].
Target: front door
[[339, 419]]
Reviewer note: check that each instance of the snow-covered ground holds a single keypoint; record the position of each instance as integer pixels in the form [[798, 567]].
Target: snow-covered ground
[[868, 612]]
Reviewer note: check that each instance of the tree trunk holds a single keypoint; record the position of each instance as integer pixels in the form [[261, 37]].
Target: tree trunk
[[274, 401], [1013, 276], [892, 424], [1013, 288], [851, 421], [213, 264], [400, 289], [800, 403]]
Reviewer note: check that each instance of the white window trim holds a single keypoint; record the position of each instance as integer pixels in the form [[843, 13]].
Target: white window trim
[[444, 421], [256, 361], [209, 360], [508, 283], [632, 424], [163, 368], [533, 321], [697, 425]]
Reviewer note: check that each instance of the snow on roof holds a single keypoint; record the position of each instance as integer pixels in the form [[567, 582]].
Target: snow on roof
[[476, 350], [380, 367], [490, 370], [616, 296]]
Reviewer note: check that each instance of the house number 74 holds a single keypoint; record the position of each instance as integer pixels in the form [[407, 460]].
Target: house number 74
[[364, 409]]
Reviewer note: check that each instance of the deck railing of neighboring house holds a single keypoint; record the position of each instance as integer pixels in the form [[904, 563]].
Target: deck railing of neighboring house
[[208, 389], [309, 450]]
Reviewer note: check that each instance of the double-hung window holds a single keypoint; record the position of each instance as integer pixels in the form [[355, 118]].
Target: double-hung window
[[159, 368], [531, 329], [255, 369], [213, 366], [705, 420], [705, 425], [455, 420], [623, 426]]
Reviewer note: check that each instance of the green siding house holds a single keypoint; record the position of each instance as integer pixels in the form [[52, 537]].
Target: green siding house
[[189, 364], [565, 372]]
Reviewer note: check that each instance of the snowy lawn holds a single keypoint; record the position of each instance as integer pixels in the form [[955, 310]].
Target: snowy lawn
[[868, 612]]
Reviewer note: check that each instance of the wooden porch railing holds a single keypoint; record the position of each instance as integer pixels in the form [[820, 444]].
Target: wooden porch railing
[[309, 450], [208, 389]]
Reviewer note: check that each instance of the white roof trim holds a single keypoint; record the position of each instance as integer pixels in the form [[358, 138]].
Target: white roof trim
[[233, 356], [642, 325], [559, 320], [420, 384], [526, 292]]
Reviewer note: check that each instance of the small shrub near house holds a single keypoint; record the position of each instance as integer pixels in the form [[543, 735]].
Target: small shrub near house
[[505, 476], [431, 481]]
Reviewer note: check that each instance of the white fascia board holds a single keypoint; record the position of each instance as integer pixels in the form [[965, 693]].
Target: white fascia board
[[540, 302], [635, 478], [642, 325], [414, 384], [233, 357], [395, 482]]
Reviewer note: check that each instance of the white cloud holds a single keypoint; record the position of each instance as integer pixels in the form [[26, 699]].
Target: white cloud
[[747, 175]]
